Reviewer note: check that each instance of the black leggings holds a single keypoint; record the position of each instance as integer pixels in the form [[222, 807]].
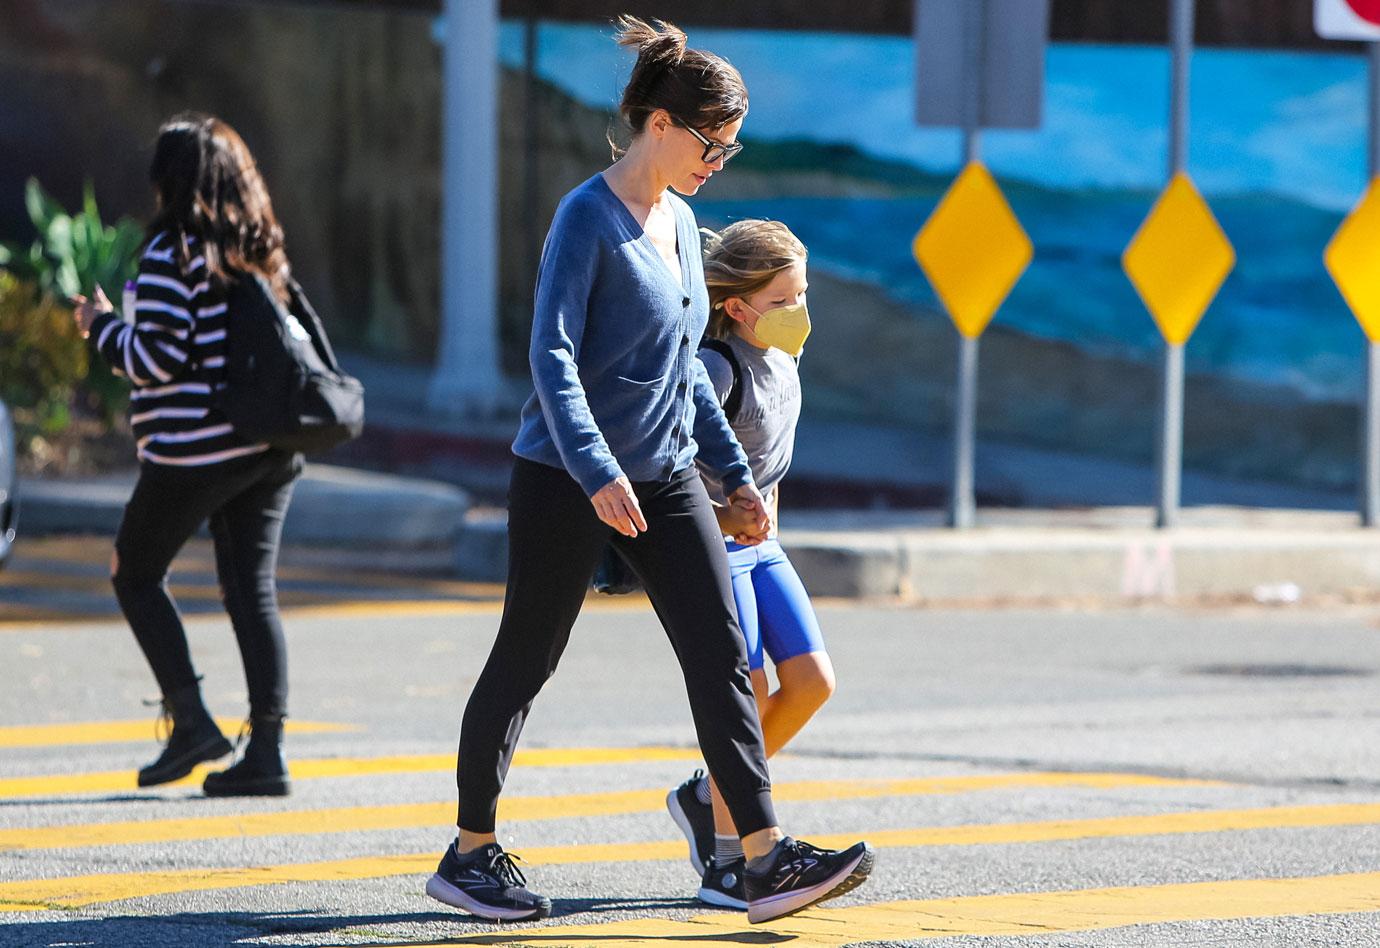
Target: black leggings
[[555, 540], [246, 500]]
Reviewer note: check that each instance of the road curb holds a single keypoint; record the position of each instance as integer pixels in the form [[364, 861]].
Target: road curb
[[377, 515]]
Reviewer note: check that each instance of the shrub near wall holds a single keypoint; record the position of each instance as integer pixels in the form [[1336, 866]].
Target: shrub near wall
[[42, 359], [65, 402]]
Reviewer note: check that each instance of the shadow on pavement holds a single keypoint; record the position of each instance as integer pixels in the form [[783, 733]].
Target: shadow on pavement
[[231, 928], [185, 929]]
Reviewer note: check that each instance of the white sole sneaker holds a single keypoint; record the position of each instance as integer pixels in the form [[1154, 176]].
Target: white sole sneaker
[[715, 897], [846, 879], [442, 891], [683, 821]]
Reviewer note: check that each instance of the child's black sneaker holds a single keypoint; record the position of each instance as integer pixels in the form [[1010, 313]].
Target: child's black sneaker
[[723, 885], [800, 875], [485, 882], [695, 819]]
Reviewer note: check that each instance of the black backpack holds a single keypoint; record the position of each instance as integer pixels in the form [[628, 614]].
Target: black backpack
[[283, 384], [735, 393]]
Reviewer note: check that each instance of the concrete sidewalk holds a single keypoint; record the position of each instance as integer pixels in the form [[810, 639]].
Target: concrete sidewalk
[[345, 515], [1052, 528], [1100, 555], [1097, 556], [1104, 556]]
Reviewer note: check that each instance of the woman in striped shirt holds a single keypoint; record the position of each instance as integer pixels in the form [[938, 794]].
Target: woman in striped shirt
[[214, 219]]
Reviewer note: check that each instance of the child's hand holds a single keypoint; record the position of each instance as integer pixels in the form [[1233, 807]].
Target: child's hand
[[750, 515]]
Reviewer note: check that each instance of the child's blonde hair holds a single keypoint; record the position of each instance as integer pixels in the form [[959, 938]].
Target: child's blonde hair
[[739, 261]]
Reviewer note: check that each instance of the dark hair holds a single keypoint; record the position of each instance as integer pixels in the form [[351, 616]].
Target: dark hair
[[692, 85], [210, 189]]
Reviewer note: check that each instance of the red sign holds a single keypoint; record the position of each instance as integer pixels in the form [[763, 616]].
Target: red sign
[[1368, 10]]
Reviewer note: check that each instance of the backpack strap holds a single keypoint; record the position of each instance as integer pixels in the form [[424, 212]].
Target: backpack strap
[[301, 308], [735, 393]]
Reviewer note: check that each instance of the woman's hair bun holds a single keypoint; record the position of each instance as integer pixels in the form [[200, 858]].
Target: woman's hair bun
[[658, 41], [694, 86]]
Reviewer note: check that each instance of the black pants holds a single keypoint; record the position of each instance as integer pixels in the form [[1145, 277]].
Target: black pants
[[555, 540], [246, 500]]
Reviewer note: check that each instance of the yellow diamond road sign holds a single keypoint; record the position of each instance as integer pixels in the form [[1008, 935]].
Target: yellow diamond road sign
[[973, 250], [1178, 260], [1352, 258]]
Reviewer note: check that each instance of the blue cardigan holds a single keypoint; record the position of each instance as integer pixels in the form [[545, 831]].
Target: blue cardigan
[[619, 389]]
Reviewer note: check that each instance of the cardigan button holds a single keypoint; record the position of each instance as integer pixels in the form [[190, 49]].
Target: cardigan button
[[685, 301]]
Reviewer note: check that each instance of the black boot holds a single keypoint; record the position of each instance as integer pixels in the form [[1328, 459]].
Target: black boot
[[262, 771], [195, 737]]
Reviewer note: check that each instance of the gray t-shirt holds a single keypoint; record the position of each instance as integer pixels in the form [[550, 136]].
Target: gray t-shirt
[[767, 416]]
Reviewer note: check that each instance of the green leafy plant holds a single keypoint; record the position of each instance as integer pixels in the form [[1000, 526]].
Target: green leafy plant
[[71, 254]]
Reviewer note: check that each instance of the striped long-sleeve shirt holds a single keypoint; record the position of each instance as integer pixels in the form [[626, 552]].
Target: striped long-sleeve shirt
[[172, 349]]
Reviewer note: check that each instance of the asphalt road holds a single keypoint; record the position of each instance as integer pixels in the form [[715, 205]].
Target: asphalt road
[[1030, 779]]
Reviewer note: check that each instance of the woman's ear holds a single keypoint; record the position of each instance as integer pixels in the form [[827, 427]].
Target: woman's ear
[[659, 122], [733, 306]]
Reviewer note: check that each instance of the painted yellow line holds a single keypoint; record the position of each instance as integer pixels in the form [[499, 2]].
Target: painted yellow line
[[384, 608], [34, 579], [73, 892], [117, 781], [511, 809], [394, 608], [120, 732], [1015, 914], [326, 604], [310, 606]]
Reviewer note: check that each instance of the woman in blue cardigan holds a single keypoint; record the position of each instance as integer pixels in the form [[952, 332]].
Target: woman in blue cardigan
[[606, 452]]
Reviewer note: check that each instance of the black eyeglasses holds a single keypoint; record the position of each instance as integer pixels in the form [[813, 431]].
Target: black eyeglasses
[[713, 150]]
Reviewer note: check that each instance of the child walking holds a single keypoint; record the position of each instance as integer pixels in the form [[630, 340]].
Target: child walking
[[755, 273]]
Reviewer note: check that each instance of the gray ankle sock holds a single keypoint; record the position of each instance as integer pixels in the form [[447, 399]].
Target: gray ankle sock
[[727, 849], [766, 861]]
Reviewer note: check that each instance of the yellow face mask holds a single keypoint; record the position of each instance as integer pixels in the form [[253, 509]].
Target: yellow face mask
[[783, 327]]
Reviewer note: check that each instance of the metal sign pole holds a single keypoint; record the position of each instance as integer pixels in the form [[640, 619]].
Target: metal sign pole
[[1171, 426], [963, 496], [1370, 465]]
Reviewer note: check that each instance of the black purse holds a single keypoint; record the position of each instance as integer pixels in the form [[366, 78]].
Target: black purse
[[613, 576]]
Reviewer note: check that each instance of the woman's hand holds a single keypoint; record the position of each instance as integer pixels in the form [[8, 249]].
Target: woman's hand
[[617, 506], [756, 521], [85, 311]]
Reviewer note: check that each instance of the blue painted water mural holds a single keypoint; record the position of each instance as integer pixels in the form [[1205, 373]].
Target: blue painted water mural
[[1278, 148]]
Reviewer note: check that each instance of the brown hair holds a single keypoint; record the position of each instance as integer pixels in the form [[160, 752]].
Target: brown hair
[[694, 86], [209, 188], [742, 259]]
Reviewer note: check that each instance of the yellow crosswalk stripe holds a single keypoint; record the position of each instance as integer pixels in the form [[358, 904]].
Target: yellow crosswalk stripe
[[412, 816], [385, 608], [119, 732], [1022, 913], [118, 781], [76, 891]]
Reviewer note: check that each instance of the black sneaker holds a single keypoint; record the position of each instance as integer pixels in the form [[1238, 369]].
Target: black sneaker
[[723, 885], [696, 821], [486, 883], [801, 875]]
